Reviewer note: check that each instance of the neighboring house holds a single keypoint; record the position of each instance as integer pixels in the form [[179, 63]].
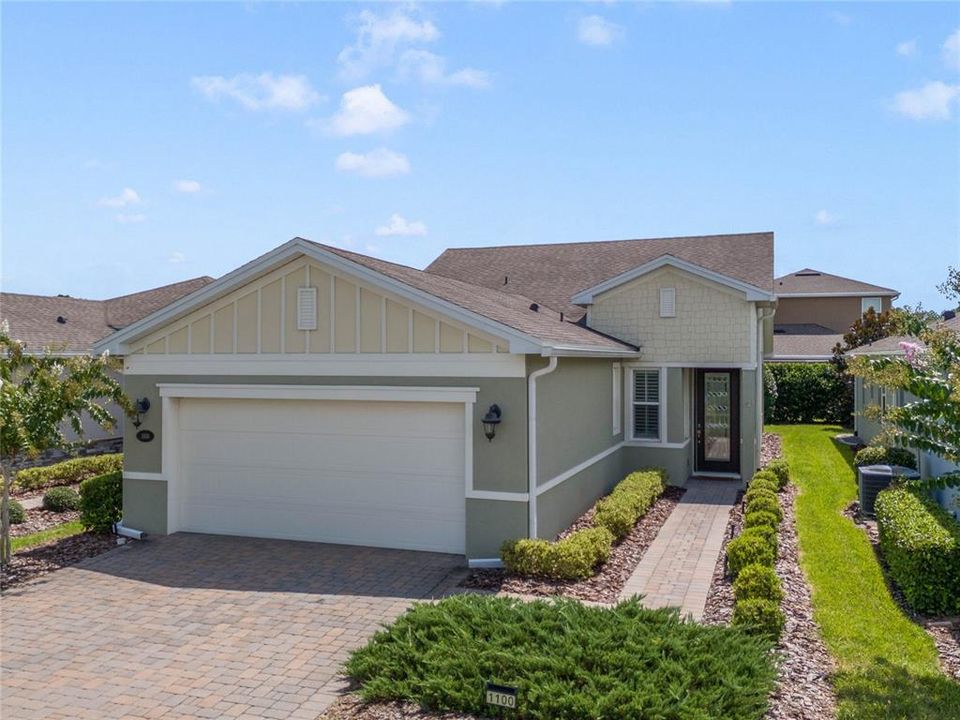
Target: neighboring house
[[70, 326], [867, 395], [318, 394], [814, 311]]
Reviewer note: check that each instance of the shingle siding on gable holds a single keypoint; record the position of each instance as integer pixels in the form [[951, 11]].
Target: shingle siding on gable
[[711, 324]]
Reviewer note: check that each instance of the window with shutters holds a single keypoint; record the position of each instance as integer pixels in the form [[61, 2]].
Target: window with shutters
[[646, 404], [307, 308]]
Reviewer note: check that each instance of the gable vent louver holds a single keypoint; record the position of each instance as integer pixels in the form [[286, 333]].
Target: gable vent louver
[[307, 308], [668, 302]]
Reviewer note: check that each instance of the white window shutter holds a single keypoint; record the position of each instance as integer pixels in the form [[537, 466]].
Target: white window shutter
[[668, 302], [307, 308]]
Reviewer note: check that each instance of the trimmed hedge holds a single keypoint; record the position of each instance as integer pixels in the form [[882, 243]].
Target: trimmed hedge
[[757, 582], [746, 550], [576, 557], [763, 617], [767, 533], [921, 544], [759, 518], [101, 501], [16, 513], [67, 472], [808, 392], [759, 491], [781, 470], [61, 499], [878, 455], [763, 482], [629, 501], [765, 503]]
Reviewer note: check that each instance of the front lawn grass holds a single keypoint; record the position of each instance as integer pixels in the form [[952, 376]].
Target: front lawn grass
[[886, 665], [568, 661], [24, 542]]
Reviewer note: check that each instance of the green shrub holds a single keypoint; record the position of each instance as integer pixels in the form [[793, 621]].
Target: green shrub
[[67, 472], [629, 501], [763, 482], [878, 455], [767, 533], [768, 475], [810, 392], [765, 504], [746, 550], [769, 394], [921, 544], [574, 558], [757, 582], [759, 518], [759, 491], [101, 501], [61, 499], [763, 617], [16, 513], [781, 469]]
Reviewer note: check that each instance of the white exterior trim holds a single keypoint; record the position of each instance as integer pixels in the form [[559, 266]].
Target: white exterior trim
[[661, 409], [866, 293], [586, 297], [798, 358], [654, 444], [617, 398], [137, 475], [532, 465], [375, 393], [490, 563], [708, 365], [721, 475], [576, 469], [353, 365], [497, 495]]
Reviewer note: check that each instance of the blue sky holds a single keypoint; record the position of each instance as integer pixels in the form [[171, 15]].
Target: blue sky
[[147, 143]]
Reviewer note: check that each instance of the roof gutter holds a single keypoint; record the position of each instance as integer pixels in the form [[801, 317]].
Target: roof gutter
[[532, 443]]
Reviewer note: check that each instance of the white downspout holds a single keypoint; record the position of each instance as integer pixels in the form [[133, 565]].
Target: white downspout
[[532, 443]]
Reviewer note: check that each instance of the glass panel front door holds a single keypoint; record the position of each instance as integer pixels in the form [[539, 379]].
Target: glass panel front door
[[716, 430]]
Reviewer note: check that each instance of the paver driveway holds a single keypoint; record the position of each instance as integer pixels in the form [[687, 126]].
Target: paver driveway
[[202, 626]]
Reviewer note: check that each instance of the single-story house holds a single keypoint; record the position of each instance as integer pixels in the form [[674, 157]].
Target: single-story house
[[318, 394], [871, 400]]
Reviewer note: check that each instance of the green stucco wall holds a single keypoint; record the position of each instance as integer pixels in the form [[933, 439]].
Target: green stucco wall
[[749, 432], [490, 522], [145, 505], [558, 507], [676, 461]]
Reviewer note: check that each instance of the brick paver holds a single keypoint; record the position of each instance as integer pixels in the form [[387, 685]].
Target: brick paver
[[198, 626], [678, 566]]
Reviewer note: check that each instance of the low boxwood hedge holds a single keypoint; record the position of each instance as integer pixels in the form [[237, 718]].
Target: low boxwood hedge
[[629, 501], [767, 533], [758, 518], [67, 472], [757, 582], [781, 470], [61, 499], [747, 549], [764, 503], [101, 501], [921, 543], [759, 491], [877, 455], [575, 557], [16, 513], [764, 482], [761, 616]]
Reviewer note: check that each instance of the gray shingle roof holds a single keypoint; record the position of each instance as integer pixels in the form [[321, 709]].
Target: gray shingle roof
[[552, 274], [809, 346], [891, 345], [816, 282]]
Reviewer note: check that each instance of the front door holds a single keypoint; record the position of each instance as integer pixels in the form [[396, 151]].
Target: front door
[[718, 421]]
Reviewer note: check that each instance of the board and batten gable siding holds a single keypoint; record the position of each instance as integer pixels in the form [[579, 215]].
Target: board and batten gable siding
[[261, 318], [713, 323]]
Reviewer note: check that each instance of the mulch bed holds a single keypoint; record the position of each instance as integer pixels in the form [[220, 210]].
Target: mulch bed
[[30, 564], [350, 707], [803, 691], [944, 631], [37, 520], [605, 586]]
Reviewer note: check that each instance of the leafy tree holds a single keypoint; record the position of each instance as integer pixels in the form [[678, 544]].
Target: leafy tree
[[872, 326], [39, 394]]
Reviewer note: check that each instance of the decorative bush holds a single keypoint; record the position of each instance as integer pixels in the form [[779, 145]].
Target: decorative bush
[[101, 501], [769, 394], [747, 550], [67, 472], [759, 518], [763, 617], [61, 499], [763, 482], [878, 455], [921, 544], [629, 501], [765, 503], [767, 533], [761, 491], [574, 558], [781, 470], [16, 513], [809, 392], [768, 475], [757, 582]]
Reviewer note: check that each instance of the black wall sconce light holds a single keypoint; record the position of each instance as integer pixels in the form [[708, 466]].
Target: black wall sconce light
[[140, 407], [490, 421]]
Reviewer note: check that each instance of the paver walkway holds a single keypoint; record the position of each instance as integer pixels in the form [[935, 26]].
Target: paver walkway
[[678, 567], [202, 626]]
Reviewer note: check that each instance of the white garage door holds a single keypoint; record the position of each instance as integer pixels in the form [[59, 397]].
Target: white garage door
[[386, 474]]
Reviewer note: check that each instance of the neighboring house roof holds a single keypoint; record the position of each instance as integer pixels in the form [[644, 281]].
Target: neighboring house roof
[[68, 324], [554, 273], [804, 347], [816, 283], [891, 345]]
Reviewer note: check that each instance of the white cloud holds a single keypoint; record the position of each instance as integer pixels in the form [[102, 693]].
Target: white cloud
[[260, 92], [128, 196], [376, 163], [907, 48], [378, 39], [597, 31], [933, 101], [176, 258], [366, 110], [431, 69], [187, 186], [825, 217], [951, 50], [399, 225], [840, 18], [128, 218]]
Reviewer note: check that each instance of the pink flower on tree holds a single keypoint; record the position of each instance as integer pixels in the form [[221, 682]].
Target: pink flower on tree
[[915, 354]]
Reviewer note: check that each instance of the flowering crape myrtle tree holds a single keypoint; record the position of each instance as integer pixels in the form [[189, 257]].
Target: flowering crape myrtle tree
[[930, 371], [39, 395]]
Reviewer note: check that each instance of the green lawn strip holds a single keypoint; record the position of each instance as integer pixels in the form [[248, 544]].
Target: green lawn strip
[[887, 665], [58, 532], [568, 660]]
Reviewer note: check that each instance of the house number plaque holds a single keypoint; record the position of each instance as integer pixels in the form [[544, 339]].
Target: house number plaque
[[501, 695], [145, 435]]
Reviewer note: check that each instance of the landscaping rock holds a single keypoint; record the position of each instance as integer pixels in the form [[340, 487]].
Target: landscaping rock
[[350, 707], [33, 563]]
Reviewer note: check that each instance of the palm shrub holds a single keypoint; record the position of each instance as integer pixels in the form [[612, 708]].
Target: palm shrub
[[61, 499], [746, 550], [759, 615], [101, 501], [757, 581]]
